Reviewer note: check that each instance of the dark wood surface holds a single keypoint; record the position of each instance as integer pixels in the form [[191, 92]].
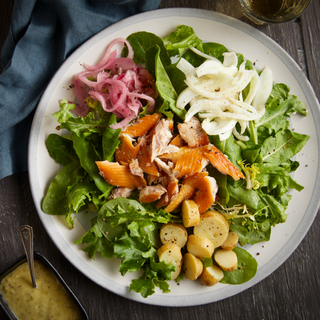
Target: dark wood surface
[[291, 292]]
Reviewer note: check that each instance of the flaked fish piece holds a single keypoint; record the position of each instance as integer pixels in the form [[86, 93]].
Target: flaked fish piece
[[172, 189], [168, 169], [191, 160], [119, 175], [163, 179], [151, 193], [178, 141], [192, 133], [188, 160], [146, 164], [121, 192], [222, 163], [126, 150], [160, 137], [135, 168], [187, 190], [142, 126], [206, 193]]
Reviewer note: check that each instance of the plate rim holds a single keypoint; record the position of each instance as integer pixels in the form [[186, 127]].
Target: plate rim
[[312, 208]]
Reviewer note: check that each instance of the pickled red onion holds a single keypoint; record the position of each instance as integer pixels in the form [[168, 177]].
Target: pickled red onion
[[119, 85]]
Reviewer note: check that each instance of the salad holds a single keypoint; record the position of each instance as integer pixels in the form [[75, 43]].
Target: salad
[[184, 151]]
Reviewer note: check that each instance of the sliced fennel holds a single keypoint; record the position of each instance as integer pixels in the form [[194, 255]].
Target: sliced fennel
[[214, 93]]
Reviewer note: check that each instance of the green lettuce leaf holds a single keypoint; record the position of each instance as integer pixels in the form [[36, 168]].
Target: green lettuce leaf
[[181, 39]]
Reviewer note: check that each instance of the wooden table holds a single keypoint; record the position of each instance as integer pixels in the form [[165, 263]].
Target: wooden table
[[291, 292]]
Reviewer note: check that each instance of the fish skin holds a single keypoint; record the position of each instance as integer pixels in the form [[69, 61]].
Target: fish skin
[[126, 150], [119, 175], [187, 190], [142, 126], [206, 194], [188, 160], [222, 163]]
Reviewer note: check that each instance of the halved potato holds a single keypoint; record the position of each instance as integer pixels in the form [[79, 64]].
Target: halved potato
[[211, 275], [214, 226], [226, 259], [190, 213], [231, 241], [173, 233], [171, 253], [192, 266], [199, 246]]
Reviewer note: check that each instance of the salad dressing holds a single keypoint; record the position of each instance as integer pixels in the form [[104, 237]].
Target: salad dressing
[[49, 300]]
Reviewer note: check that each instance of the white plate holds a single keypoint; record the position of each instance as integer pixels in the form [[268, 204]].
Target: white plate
[[239, 37]]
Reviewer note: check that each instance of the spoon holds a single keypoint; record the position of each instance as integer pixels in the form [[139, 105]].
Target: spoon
[[27, 239]]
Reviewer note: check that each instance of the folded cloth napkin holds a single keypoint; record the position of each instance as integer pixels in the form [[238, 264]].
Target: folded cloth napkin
[[42, 35]]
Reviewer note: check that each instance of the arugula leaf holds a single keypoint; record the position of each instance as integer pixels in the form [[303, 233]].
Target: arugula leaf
[[277, 112], [282, 147], [251, 231]]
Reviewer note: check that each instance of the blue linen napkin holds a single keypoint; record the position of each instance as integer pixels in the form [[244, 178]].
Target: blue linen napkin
[[42, 35]]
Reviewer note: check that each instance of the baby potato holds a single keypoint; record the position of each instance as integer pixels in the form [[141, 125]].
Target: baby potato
[[211, 275], [231, 241], [226, 259], [190, 213], [173, 233], [199, 246], [214, 226], [171, 253], [192, 266]]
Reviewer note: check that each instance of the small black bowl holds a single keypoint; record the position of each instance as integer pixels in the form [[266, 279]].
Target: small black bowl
[[40, 257]]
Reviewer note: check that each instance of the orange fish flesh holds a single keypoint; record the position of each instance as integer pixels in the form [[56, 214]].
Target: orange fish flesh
[[126, 151], [119, 175], [188, 160], [187, 190], [142, 126], [178, 141], [206, 194], [223, 164], [172, 189], [145, 162]]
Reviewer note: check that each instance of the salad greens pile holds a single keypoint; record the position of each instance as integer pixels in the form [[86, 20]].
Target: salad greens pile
[[129, 230]]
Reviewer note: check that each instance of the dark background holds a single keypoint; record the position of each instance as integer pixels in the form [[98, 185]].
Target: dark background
[[291, 292]]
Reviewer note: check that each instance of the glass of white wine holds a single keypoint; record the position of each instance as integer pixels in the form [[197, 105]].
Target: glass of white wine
[[273, 11]]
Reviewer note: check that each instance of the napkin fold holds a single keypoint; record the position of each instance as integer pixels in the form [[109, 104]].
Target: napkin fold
[[42, 35]]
